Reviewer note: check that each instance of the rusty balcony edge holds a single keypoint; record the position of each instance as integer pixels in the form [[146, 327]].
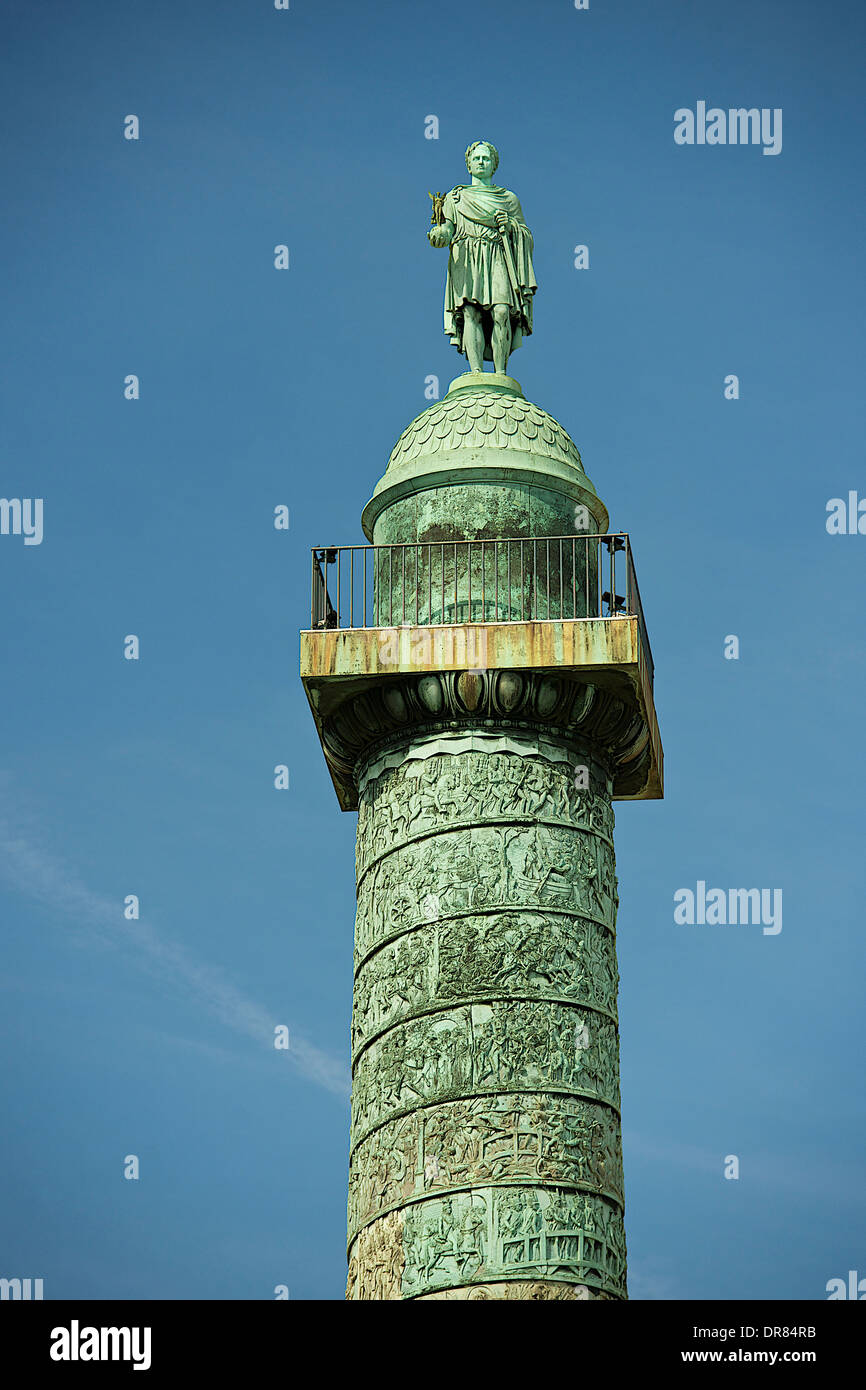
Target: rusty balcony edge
[[335, 661]]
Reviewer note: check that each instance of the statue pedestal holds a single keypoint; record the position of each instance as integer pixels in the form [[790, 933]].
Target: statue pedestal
[[487, 381]]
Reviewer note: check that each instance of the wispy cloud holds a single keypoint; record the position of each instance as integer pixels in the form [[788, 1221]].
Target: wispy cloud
[[37, 874]]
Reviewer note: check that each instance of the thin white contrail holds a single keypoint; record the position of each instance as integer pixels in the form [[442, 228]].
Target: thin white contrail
[[39, 875]]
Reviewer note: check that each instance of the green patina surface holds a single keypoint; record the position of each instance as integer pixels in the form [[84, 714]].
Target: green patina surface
[[485, 1149], [484, 462], [486, 1157], [490, 281], [485, 1102]]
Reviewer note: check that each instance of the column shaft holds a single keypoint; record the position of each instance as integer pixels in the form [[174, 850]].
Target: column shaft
[[485, 1151]]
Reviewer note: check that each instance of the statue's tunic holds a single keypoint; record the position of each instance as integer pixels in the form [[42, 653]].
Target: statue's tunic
[[477, 273]]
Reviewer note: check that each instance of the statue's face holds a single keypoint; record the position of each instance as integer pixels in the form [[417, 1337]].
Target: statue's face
[[481, 162]]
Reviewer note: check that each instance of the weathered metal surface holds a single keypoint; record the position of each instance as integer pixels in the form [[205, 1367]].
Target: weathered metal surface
[[485, 1099], [580, 644], [483, 757], [340, 665], [483, 461]]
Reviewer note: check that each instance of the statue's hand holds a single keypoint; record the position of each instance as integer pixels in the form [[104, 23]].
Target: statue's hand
[[502, 220], [438, 236]]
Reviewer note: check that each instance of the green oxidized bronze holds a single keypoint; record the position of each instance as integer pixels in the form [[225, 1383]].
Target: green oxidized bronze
[[485, 1156], [485, 1142], [490, 284]]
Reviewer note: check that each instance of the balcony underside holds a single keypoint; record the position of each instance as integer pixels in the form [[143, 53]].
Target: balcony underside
[[339, 665]]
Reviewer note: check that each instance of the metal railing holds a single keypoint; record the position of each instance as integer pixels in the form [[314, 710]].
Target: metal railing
[[536, 579]]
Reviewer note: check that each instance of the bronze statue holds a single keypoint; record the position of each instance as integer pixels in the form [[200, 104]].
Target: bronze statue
[[490, 284]]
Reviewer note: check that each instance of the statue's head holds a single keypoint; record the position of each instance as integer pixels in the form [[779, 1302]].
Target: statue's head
[[482, 159]]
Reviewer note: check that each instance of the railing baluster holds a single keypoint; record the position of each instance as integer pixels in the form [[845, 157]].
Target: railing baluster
[[483, 578], [522, 582], [533, 583], [627, 581], [599, 576], [612, 604], [442, 562], [469, 568], [548, 578], [561, 610], [454, 614]]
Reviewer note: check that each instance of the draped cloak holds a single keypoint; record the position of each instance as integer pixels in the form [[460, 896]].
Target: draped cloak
[[477, 273]]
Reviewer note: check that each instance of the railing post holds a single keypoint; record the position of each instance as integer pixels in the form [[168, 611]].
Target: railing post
[[547, 569], [442, 564], [561, 578], [612, 603], [454, 614], [469, 567], [483, 578], [522, 584]]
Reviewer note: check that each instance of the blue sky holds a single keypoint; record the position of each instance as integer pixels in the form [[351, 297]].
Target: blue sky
[[261, 387]]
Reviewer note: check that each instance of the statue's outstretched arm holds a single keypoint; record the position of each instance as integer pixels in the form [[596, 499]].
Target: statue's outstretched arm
[[442, 234]]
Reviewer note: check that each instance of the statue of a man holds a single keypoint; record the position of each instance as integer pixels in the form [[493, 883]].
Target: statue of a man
[[488, 293]]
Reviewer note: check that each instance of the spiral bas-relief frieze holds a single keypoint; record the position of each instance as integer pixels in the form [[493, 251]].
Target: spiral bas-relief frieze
[[511, 955], [498, 1140], [522, 1237], [485, 1125], [484, 1048]]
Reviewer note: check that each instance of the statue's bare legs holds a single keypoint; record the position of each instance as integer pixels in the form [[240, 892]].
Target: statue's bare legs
[[473, 337], [501, 339]]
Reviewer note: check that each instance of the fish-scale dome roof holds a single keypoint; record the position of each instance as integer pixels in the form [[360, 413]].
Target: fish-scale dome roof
[[484, 432], [475, 417]]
